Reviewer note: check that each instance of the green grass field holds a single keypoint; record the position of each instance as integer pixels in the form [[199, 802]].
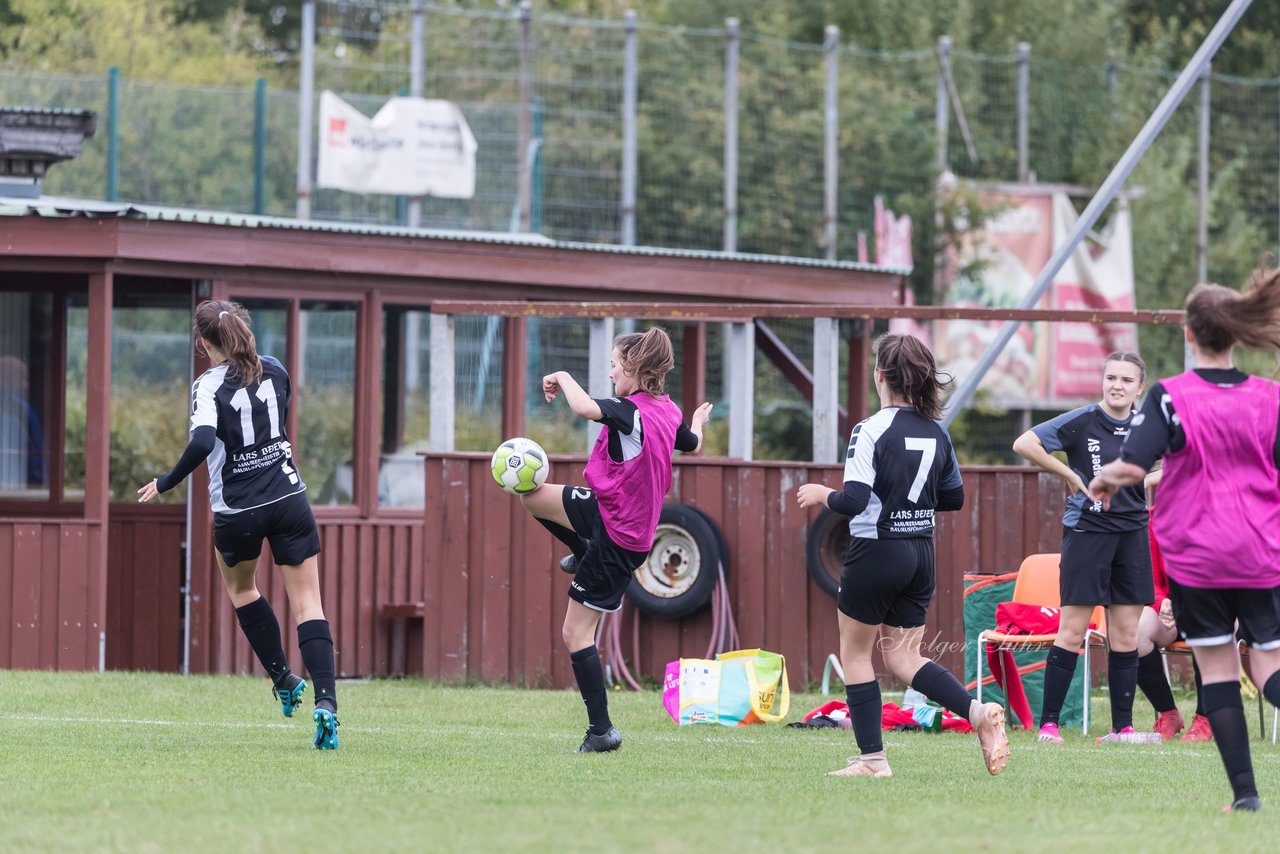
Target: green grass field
[[133, 762]]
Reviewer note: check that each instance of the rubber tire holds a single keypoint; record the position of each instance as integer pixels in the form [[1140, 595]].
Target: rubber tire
[[825, 548], [701, 537]]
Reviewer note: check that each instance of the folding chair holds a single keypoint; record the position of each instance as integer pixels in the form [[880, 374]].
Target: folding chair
[[1180, 648], [1037, 584]]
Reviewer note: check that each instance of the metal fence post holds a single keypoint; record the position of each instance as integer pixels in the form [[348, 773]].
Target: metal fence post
[[306, 99], [113, 133], [524, 132], [830, 156], [1202, 180], [259, 146], [730, 135], [630, 74], [417, 75], [1024, 106], [941, 106]]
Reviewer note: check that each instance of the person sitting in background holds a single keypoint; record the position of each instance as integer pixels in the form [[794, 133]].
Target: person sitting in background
[[1156, 630]]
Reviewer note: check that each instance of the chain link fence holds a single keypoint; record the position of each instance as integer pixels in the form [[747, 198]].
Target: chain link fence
[[194, 146]]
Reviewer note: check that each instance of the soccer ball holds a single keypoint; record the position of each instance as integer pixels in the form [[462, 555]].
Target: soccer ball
[[520, 466]]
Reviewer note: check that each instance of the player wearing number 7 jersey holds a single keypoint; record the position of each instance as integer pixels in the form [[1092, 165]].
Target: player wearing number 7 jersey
[[238, 412], [900, 469]]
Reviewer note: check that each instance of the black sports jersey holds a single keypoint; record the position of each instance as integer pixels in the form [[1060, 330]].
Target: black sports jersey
[[900, 469], [251, 463], [1091, 439], [626, 434], [1157, 428]]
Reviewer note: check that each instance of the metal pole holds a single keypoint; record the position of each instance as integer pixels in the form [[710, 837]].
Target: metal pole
[[113, 133], [941, 106], [831, 46], [826, 385], [730, 135], [1202, 176], [524, 132], [1121, 171], [630, 75], [417, 76], [535, 201], [259, 146], [600, 342], [1024, 105], [442, 382], [306, 99]]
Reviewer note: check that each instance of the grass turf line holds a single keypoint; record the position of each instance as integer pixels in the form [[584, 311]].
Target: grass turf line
[[147, 761]]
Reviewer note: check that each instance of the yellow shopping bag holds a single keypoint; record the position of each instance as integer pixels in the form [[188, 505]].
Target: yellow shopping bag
[[746, 686]]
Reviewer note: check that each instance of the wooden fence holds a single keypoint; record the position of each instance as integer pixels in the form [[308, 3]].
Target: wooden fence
[[478, 579]]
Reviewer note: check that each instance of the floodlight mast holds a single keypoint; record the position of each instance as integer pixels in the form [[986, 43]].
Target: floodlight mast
[[1119, 174]]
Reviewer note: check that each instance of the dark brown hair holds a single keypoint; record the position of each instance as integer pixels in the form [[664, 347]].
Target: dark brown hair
[[908, 369], [1130, 357], [225, 325], [1220, 318], [648, 357]]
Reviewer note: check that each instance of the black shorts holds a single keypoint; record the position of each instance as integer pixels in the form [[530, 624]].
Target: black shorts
[[605, 571], [288, 525], [1106, 568], [1208, 616], [887, 581]]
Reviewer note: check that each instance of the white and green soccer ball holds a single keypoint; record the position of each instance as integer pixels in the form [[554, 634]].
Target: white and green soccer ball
[[520, 466]]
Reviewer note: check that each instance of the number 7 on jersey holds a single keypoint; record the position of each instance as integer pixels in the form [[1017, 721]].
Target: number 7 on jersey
[[928, 448]]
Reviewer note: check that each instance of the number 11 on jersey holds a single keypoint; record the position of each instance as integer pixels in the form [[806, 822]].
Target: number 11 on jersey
[[240, 403]]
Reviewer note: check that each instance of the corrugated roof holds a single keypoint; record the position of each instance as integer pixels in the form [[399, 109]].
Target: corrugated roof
[[51, 206], [45, 111]]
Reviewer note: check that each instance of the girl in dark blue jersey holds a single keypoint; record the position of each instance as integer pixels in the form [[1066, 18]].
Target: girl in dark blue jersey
[[1106, 553], [900, 469], [239, 408]]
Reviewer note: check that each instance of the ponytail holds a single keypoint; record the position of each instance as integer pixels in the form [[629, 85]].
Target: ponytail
[[647, 356], [225, 325], [1220, 318], [909, 369]]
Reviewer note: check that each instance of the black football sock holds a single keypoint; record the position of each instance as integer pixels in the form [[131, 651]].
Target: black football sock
[[1225, 710], [590, 677], [1059, 667], [1195, 670], [1153, 682], [565, 535], [316, 644], [936, 682], [1271, 689], [865, 714], [1122, 681], [260, 627]]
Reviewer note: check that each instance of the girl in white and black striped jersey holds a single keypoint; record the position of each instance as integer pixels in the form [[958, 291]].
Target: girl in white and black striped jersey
[[1218, 432], [900, 469], [1106, 554], [239, 408]]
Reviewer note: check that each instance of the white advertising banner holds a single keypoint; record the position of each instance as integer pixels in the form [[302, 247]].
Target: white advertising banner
[[412, 147]]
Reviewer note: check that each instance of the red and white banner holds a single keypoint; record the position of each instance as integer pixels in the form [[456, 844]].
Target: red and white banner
[[412, 147], [1100, 277], [1045, 365]]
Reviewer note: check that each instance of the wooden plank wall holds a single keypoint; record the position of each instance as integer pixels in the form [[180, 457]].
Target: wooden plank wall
[[495, 597], [144, 583], [364, 564], [49, 584], [488, 575]]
